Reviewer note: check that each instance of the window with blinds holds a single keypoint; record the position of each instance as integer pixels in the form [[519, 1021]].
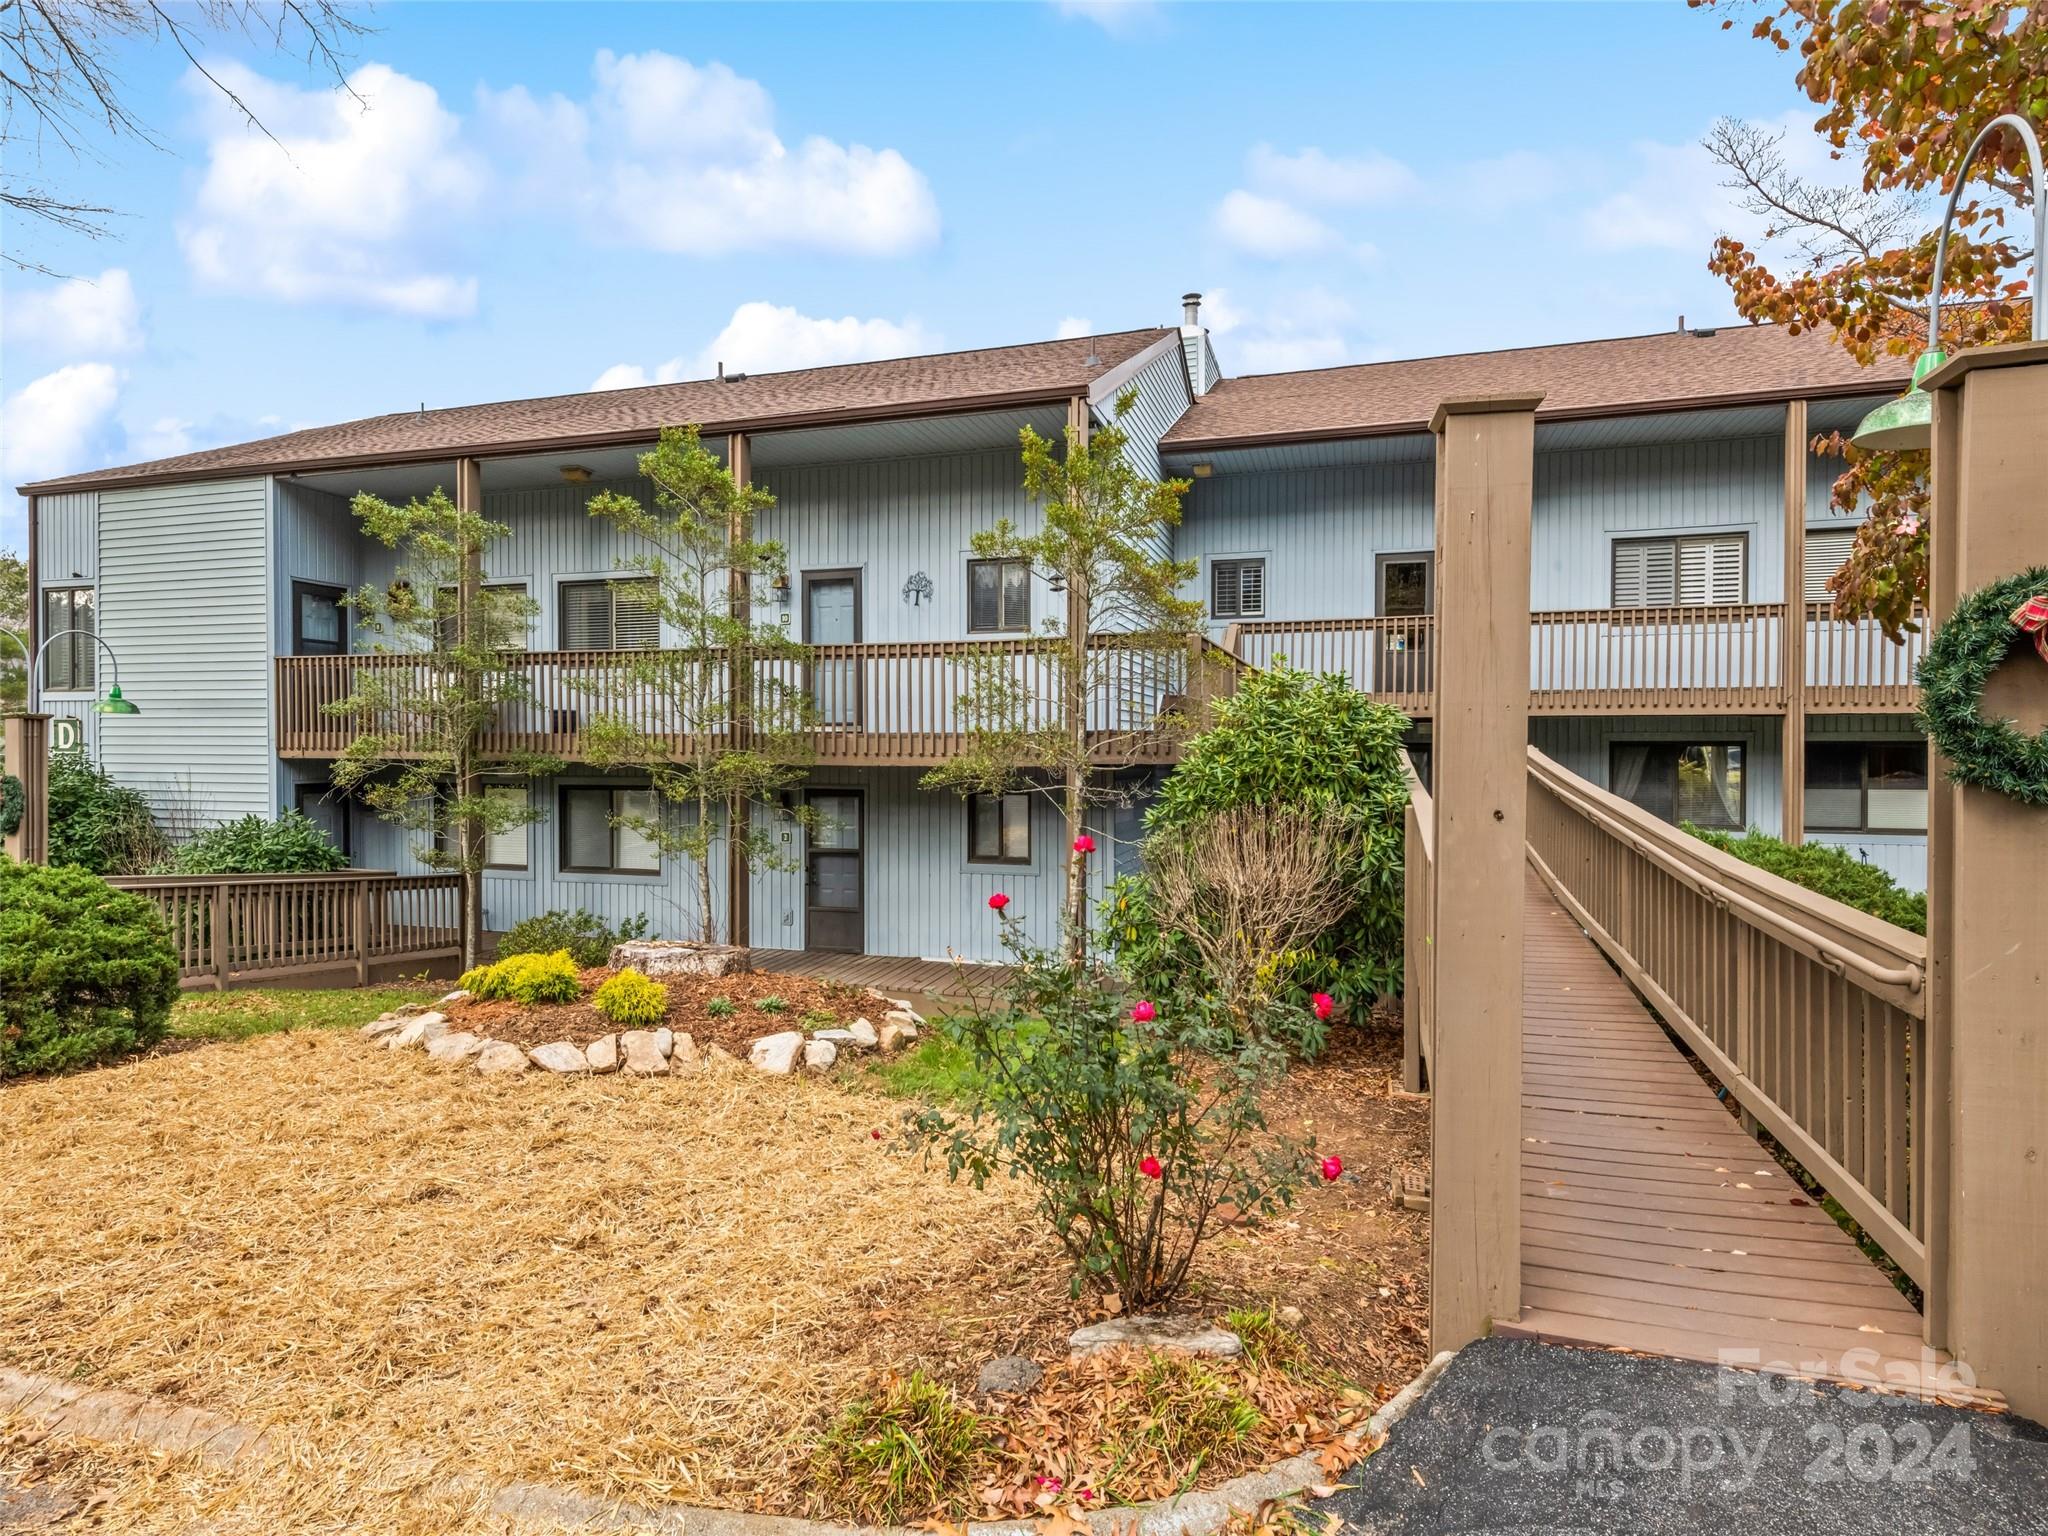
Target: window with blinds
[[594, 839], [998, 596], [1237, 589], [1826, 551], [1692, 571], [503, 849], [70, 655], [609, 616]]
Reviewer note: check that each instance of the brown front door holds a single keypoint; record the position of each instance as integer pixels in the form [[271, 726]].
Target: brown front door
[[833, 883], [1407, 591]]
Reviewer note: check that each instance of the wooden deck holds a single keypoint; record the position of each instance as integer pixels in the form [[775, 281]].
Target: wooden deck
[[1652, 1221], [938, 981]]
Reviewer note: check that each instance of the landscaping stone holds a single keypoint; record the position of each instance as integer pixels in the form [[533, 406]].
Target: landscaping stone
[[642, 1053], [665, 1040], [603, 1054], [384, 1024], [864, 1033], [456, 1045], [501, 1058], [453, 997], [898, 1005], [905, 1018], [820, 1055], [684, 1057], [1008, 1374], [843, 1038], [417, 1030], [1183, 1335], [894, 1036], [559, 1056], [777, 1053], [656, 958], [409, 1010]]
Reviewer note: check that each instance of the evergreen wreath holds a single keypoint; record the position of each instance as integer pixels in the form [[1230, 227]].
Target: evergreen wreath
[[13, 804], [1971, 644]]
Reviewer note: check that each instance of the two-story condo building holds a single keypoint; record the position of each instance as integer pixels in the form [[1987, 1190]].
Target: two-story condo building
[[1683, 653]]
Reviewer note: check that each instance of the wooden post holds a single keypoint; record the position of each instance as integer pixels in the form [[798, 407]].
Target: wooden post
[[217, 933], [469, 497], [1792, 637], [739, 894], [27, 753], [359, 917], [1485, 472], [1988, 1052]]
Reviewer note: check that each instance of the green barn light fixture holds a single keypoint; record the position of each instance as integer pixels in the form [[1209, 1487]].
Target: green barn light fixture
[[1908, 422], [114, 704]]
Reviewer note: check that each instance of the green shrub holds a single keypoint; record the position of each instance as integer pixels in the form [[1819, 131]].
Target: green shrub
[[87, 973], [526, 979], [721, 1008], [292, 844], [1130, 1124], [908, 1450], [1289, 738], [772, 1004], [98, 825], [632, 1000], [585, 935], [1832, 872]]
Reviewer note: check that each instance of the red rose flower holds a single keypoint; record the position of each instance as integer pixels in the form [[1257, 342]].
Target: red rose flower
[[1150, 1167], [998, 901], [1332, 1166], [1144, 1013], [1324, 1005], [1084, 844]]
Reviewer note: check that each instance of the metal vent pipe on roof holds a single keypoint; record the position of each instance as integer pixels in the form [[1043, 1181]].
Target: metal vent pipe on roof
[[1191, 310]]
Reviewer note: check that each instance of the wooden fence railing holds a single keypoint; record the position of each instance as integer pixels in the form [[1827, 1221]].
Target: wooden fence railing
[[1418, 959], [1615, 660], [900, 702], [242, 928], [1810, 1013]]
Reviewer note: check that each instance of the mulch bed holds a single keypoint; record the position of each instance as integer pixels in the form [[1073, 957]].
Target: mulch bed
[[811, 1004]]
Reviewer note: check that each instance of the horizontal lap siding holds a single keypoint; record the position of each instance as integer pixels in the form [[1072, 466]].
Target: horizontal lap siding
[[68, 555], [185, 596], [1161, 398]]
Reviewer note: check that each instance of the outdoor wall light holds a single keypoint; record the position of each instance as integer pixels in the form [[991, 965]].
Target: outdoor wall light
[[575, 474], [1908, 422]]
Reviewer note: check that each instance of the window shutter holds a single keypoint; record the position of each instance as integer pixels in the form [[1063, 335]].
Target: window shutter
[[1645, 573], [636, 622], [586, 617], [1726, 576], [1251, 588], [1826, 551]]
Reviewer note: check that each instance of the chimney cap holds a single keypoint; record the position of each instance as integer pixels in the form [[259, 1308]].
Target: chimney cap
[[1191, 309]]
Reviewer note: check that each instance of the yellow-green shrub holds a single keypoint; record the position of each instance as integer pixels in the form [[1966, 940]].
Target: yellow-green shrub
[[526, 979], [631, 999]]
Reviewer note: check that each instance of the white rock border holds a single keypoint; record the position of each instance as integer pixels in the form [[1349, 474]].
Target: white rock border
[[636, 1052]]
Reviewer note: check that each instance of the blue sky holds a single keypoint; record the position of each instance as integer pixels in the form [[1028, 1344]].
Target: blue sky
[[542, 198]]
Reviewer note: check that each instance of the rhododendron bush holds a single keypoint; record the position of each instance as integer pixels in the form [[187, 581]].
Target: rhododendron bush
[[1131, 1119]]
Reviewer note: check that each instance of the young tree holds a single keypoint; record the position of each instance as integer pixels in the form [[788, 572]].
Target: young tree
[[719, 720], [1905, 84], [13, 617], [420, 756], [1104, 524]]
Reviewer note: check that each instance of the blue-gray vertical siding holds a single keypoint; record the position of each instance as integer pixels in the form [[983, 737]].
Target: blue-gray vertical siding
[[185, 603], [68, 555], [1581, 744]]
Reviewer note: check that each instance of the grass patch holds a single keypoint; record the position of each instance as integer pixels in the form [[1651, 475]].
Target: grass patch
[[242, 1015], [934, 1071], [909, 1449], [1181, 1416]]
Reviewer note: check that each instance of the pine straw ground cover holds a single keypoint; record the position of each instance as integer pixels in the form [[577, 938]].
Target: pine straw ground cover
[[427, 1285]]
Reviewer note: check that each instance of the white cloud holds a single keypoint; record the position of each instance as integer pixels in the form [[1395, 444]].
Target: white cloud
[[1119, 18], [1269, 227], [61, 422], [1314, 177], [1073, 326], [347, 207], [1519, 177], [768, 338], [78, 317], [1674, 199], [1304, 328], [685, 158]]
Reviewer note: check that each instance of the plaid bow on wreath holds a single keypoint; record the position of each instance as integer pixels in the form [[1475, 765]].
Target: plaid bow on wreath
[[2032, 617]]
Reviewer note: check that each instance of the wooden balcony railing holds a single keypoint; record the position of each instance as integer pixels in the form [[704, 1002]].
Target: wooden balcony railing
[[1810, 1013], [1616, 660], [904, 702], [244, 928]]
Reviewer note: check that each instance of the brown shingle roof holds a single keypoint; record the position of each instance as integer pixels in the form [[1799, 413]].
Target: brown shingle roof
[[983, 379], [1631, 374]]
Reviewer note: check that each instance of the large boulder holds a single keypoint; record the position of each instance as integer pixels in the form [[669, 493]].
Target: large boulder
[[657, 958], [456, 1045], [501, 1058], [777, 1053], [643, 1053], [559, 1056]]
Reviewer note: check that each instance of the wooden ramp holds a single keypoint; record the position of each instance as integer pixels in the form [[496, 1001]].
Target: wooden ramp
[[1652, 1221], [898, 975]]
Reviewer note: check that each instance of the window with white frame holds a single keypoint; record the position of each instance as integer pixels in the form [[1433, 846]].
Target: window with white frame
[[594, 842], [1237, 588], [1690, 570], [69, 660], [1827, 550], [609, 616]]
